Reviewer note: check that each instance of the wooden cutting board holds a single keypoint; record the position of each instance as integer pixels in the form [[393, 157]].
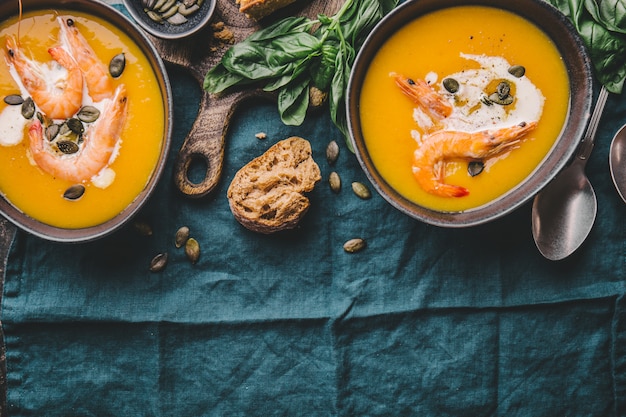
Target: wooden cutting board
[[204, 145]]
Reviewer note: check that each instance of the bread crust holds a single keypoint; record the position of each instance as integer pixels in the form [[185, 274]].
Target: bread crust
[[267, 195], [258, 9]]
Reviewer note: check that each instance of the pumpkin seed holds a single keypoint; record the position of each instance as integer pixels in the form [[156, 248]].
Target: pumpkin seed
[[158, 4], [13, 99], [88, 114], [188, 10], [167, 6], [475, 167], [503, 101], [354, 245], [117, 65], [170, 12], [75, 126], [154, 16], [67, 146], [332, 152], [517, 71], [52, 131], [182, 235], [159, 262], [28, 108], [192, 250], [451, 85], [74, 192], [335, 182], [503, 89], [361, 190]]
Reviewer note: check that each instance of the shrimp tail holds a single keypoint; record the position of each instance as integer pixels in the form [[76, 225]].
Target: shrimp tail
[[431, 181]]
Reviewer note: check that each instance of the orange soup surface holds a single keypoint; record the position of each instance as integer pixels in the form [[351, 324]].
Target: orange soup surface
[[463, 41], [39, 194]]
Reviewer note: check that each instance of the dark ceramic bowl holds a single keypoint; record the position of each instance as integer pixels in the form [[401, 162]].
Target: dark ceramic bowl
[[578, 65], [9, 9], [164, 30]]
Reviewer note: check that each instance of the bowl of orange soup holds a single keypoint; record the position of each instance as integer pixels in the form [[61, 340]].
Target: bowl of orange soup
[[85, 118], [459, 112]]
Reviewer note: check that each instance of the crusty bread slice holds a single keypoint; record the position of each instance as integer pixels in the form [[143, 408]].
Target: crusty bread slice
[[258, 9], [267, 194]]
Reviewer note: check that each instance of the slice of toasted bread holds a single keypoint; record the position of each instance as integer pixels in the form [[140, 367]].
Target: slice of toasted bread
[[267, 194], [258, 9]]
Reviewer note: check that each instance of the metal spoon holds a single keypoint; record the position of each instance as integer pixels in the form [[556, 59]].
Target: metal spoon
[[563, 213], [617, 162]]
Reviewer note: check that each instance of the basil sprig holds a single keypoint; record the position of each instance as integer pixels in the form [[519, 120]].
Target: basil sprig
[[602, 25], [290, 56]]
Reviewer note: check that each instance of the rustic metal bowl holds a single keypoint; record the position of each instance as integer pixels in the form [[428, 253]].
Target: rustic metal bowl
[[578, 65], [164, 30], [45, 231]]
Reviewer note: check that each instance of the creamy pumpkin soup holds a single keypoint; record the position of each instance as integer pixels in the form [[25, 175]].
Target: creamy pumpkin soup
[[461, 105], [82, 120]]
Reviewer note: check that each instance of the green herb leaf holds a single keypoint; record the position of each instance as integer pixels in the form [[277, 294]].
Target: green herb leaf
[[219, 79], [280, 28], [280, 56], [293, 102], [290, 59], [323, 69], [601, 25]]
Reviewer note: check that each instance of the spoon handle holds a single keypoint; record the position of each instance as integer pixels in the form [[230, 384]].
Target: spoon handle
[[588, 140]]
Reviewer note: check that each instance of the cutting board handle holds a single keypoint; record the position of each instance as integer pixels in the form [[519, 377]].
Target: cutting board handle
[[204, 145]]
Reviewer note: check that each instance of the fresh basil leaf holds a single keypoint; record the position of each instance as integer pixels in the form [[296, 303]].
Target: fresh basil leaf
[[610, 13], [295, 45], [219, 79], [357, 25], [387, 5], [293, 102], [323, 69], [280, 57], [280, 28], [603, 35], [337, 91], [606, 52], [298, 69]]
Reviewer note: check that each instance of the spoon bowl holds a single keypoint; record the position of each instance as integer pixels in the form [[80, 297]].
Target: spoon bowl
[[617, 162], [564, 212]]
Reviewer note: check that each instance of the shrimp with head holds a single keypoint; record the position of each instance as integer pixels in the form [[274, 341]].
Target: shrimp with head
[[99, 83], [57, 98], [98, 146], [420, 92], [438, 147]]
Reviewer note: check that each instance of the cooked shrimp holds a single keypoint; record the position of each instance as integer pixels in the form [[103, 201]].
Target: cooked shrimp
[[424, 96], [58, 99], [99, 83], [98, 146], [429, 159]]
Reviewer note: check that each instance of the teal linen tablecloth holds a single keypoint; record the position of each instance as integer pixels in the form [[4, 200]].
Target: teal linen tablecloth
[[425, 322]]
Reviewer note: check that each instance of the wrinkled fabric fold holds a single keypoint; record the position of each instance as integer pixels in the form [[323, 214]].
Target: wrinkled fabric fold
[[425, 321]]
